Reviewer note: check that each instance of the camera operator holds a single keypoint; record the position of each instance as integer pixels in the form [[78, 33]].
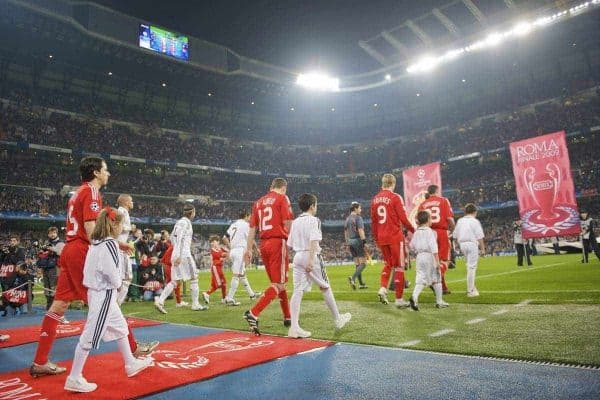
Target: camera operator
[[163, 244], [48, 263], [13, 254], [520, 244]]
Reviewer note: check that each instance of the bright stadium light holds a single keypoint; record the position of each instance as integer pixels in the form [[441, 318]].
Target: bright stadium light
[[521, 29], [318, 81]]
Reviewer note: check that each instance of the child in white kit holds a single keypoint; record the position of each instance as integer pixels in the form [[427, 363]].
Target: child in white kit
[[305, 235], [102, 277], [424, 243]]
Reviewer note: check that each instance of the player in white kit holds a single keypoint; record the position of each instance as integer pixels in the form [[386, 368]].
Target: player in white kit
[[183, 264], [125, 203], [469, 235], [237, 239], [102, 277], [424, 243], [305, 235]]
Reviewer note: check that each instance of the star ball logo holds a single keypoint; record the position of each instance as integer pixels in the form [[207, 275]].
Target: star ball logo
[[94, 206]]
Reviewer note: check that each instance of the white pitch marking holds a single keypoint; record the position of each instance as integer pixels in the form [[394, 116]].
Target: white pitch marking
[[410, 343], [509, 272], [523, 303], [441, 333], [475, 321], [500, 312]]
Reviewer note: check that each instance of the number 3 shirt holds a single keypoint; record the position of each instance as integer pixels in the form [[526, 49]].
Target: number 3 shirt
[[387, 217], [440, 210], [269, 214], [83, 206]]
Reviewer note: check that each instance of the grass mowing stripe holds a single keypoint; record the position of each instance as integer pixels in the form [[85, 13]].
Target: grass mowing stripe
[[523, 303], [507, 273]]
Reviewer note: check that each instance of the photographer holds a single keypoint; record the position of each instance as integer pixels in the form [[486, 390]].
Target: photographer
[[520, 244], [588, 236], [13, 255], [48, 263]]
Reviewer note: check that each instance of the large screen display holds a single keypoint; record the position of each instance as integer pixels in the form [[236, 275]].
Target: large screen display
[[163, 41]]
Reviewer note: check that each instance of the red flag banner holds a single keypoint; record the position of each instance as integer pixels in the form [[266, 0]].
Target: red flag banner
[[542, 170], [416, 180]]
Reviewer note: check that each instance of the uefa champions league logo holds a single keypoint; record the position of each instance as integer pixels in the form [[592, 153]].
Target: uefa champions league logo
[[543, 188], [421, 174], [195, 358]]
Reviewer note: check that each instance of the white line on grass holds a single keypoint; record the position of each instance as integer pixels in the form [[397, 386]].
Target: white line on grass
[[441, 333], [501, 311], [410, 343], [475, 321], [509, 272], [523, 303]]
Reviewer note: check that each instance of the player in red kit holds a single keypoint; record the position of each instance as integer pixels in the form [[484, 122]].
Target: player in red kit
[[388, 217], [217, 277], [442, 220], [272, 215], [82, 210]]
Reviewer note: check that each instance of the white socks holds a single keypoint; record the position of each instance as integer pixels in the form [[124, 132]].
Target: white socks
[[233, 288], [246, 284], [295, 308], [125, 350], [470, 279], [167, 291], [437, 288], [194, 292], [331, 304], [418, 289], [79, 359]]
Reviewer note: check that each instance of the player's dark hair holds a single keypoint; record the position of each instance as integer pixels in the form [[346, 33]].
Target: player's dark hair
[[354, 206], [422, 217], [306, 200], [243, 213], [88, 166], [212, 238], [278, 183], [470, 208], [431, 190], [188, 210]]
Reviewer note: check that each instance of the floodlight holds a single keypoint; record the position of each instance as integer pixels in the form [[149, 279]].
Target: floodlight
[[521, 29], [493, 39], [388, 77], [318, 81]]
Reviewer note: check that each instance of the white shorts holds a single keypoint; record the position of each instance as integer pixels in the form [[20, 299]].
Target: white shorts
[[238, 266], [126, 272], [185, 271], [302, 279], [427, 273], [104, 320], [471, 253]]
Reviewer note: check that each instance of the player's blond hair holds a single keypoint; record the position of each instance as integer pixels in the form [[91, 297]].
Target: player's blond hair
[[123, 198], [278, 183], [388, 180]]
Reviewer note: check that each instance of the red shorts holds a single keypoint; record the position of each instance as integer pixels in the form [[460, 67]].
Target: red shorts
[[393, 254], [274, 253], [70, 281], [443, 243]]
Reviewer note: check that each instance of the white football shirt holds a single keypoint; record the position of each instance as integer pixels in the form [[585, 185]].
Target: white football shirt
[[238, 233]]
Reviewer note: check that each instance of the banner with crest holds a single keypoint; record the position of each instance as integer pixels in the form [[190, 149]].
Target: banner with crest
[[416, 180], [545, 191]]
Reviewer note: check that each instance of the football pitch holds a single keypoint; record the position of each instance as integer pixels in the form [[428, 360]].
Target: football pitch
[[549, 312]]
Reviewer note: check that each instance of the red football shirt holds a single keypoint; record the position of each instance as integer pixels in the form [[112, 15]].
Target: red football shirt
[[440, 210], [217, 257], [83, 206], [388, 216], [269, 214]]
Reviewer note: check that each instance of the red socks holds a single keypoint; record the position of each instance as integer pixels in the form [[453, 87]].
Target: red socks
[[47, 336], [131, 339], [178, 293], [385, 275], [399, 282], [285, 304], [264, 301]]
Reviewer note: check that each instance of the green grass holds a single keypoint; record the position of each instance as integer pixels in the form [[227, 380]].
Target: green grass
[[559, 324]]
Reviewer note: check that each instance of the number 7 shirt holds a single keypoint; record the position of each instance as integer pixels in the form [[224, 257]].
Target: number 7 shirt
[[269, 214], [387, 217]]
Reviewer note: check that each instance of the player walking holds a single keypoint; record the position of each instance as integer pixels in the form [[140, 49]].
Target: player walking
[[183, 264], [469, 235], [217, 277], [237, 239], [388, 217], [442, 220], [125, 203], [272, 215], [354, 233], [82, 210]]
